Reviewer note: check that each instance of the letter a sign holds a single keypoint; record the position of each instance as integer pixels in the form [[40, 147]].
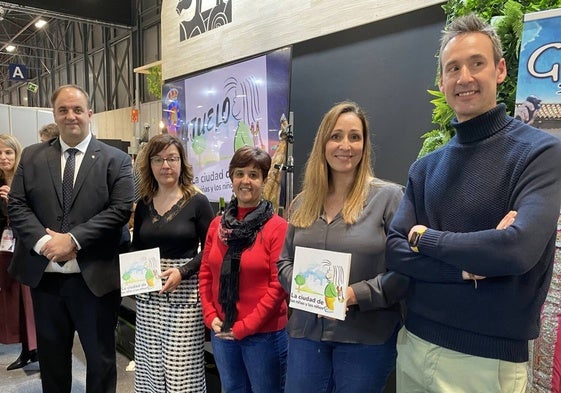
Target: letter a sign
[[18, 72]]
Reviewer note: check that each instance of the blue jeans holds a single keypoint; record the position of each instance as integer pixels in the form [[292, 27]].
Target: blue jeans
[[256, 364], [326, 367]]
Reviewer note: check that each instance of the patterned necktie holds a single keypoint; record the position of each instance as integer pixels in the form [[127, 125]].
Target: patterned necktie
[[67, 186]]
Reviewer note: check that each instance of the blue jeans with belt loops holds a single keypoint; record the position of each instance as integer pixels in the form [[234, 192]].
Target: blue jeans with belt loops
[[255, 364], [326, 367]]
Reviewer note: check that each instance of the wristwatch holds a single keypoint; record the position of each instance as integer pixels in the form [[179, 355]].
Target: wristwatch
[[415, 237]]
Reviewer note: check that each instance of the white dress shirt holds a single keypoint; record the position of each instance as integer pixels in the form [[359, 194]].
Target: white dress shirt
[[70, 266]]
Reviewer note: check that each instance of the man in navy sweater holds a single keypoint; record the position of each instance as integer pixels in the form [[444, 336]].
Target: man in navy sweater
[[475, 231]]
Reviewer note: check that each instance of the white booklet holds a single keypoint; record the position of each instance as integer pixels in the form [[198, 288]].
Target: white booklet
[[140, 271], [319, 282]]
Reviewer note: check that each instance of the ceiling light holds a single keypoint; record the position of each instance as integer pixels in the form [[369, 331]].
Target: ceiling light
[[40, 23], [10, 48]]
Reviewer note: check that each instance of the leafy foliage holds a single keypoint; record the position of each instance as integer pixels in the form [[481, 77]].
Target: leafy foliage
[[507, 16], [442, 115], [155, 82]]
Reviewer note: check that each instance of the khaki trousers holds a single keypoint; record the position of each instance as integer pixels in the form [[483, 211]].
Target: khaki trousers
[[428, 368]]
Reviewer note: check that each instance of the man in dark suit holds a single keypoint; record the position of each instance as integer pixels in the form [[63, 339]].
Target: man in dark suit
[[67, 248]]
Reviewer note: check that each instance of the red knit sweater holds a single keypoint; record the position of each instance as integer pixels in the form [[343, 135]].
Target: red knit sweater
[[261, 305]]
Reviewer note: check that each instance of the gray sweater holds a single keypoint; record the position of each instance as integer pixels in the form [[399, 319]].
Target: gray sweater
[[378, 313]]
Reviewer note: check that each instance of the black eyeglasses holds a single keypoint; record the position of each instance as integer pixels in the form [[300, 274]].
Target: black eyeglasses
[[157, 160]]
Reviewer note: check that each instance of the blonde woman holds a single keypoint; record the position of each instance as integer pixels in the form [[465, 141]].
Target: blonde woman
[[344, 208], [17, 324]]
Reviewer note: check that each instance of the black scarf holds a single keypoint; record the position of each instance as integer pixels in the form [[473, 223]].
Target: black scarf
[[237, 235]]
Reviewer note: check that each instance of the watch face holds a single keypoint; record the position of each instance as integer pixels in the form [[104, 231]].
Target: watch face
[[414, 239]]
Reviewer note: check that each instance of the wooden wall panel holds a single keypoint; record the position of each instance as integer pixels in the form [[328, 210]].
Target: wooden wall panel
[[260, 26], [117, 124]]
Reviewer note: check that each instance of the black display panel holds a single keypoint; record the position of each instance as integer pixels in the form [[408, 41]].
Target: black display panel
[[109, 11]]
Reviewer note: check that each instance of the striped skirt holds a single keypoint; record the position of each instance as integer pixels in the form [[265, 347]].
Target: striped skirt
[[169, 339]]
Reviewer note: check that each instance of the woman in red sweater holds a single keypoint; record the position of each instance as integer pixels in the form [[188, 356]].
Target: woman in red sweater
[[243, 303]]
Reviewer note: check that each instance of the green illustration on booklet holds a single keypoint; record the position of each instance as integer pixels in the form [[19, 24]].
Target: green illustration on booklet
[[321, 279], [140, 272]]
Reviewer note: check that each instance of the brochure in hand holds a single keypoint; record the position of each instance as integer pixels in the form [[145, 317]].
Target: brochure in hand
[[319, 282], [140, 271]]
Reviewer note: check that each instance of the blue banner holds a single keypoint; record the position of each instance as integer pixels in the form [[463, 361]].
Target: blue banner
[[538, 94]]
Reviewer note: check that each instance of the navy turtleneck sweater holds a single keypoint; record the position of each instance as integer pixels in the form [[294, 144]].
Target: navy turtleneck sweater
[[461, 192]]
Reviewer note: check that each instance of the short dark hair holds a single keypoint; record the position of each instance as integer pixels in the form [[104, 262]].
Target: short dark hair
[[55, 94], [49, 130], [470, 23], [249, 155]]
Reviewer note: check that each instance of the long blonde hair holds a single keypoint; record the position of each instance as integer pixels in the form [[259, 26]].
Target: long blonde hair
[[317, 177], [11, 142]]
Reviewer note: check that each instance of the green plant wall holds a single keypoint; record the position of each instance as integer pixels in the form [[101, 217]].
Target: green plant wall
[[154, 79], [507, 17]]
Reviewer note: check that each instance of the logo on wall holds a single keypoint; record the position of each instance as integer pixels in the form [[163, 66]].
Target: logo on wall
[[199, 16]]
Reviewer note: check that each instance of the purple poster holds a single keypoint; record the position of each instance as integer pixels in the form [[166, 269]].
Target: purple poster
[[216, 112]]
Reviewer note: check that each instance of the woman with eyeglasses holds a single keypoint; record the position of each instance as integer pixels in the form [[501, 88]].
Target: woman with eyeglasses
[[174, 215]]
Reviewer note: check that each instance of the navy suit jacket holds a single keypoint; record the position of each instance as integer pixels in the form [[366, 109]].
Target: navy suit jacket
[[101, 207]]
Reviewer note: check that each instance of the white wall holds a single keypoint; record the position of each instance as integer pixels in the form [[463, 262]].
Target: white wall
[[24, 122]]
